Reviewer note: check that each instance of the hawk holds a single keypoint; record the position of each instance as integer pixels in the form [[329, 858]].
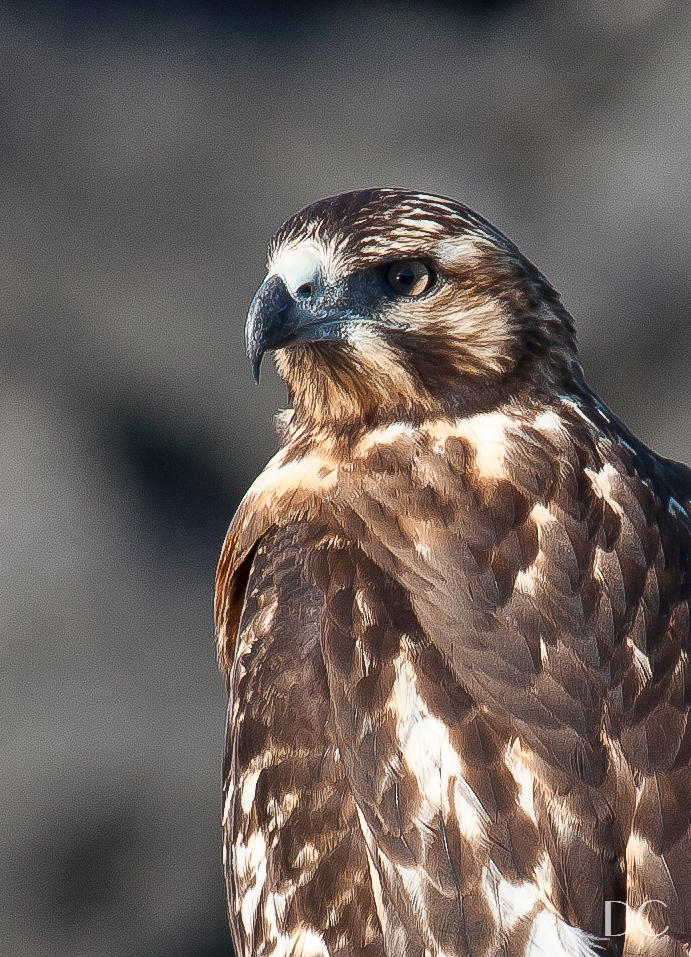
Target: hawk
[[453, 616]]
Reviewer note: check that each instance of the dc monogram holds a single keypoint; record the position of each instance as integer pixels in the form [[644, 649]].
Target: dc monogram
[[635, 916]]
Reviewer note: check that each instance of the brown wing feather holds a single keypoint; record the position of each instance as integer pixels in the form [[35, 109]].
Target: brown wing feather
[[232, 573], [296, 867], [556, 597], [500, 662], [428, 819]]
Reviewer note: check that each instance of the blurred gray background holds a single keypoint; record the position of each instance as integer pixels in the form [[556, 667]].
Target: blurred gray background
[[147, 153]]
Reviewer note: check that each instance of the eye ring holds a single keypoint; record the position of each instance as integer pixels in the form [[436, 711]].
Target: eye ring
[[409, 277]]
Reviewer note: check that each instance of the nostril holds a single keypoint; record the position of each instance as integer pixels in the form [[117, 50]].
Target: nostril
[[305, 290]]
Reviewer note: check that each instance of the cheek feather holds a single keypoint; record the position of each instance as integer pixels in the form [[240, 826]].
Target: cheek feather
[[483, 335], [374, 353], [471, 334]]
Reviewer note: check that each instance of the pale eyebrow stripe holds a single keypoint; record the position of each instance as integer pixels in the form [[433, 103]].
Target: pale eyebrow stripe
[[297, 265]]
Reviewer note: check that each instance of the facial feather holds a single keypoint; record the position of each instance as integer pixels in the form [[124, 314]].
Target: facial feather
[[489, 323]]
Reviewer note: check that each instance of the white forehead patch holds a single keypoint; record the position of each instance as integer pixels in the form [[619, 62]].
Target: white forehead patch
[[298, 265]]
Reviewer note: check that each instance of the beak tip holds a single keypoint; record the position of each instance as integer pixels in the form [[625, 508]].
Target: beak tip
[[268, 321], [255, 356], [254, 350]]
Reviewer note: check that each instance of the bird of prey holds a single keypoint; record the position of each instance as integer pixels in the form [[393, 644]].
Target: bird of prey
[[453, 616]]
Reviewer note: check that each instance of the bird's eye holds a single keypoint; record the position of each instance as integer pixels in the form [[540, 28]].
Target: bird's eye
[[409, 277]]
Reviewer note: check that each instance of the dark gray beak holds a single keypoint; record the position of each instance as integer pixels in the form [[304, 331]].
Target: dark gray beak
[[276, 318], [272, 321]]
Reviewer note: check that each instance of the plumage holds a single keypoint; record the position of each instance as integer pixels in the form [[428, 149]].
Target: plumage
[[453, 615]]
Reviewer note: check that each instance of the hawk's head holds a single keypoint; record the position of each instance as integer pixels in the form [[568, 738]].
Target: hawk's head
[[391, 303]]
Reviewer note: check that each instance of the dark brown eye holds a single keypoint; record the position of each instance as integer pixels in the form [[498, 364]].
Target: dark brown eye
[[409, 277]]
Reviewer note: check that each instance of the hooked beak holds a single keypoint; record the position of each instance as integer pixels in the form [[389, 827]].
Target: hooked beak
[[277, 319], [270, 319]]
